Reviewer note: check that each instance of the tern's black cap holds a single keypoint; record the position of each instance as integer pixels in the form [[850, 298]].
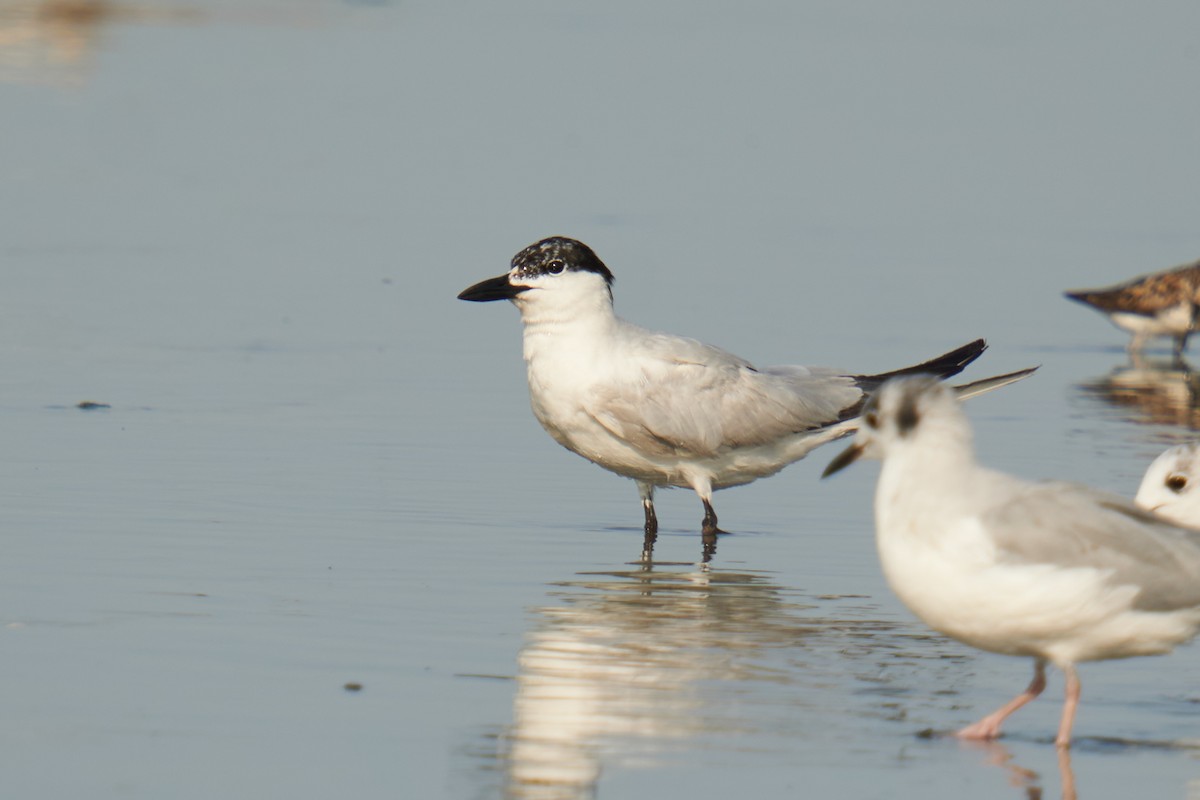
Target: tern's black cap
[[556, 255]]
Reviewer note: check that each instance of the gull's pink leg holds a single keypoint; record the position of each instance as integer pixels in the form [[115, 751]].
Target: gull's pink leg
[[1069, 705], [989, 726]]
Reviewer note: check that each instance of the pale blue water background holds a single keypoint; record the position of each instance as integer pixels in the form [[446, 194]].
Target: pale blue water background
[[242, 225]]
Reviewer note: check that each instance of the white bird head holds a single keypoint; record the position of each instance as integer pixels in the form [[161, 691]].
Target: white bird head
[[1171, 486], [556, 274], [905, 412]]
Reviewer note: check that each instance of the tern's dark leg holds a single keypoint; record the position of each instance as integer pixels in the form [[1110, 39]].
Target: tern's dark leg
[[709, 526], [651, 526], [646, 492], [651, 531]]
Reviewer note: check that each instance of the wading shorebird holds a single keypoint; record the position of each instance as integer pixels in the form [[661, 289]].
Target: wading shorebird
[[1160, 304]]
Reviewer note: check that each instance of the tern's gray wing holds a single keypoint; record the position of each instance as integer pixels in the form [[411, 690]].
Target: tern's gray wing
[[685, 398], [1070, 525]]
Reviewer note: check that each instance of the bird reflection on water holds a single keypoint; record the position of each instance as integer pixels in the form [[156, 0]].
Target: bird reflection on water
[[1022, 778], [57, 42], [1148, 391], [1031, 782], [53, 41], [708, 547], [629, 669]]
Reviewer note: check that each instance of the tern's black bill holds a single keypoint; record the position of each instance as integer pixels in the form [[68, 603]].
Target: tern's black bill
[[491, 289], [843, 459]]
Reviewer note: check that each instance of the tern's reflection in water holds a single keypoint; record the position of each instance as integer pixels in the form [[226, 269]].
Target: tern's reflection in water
[[1151, 391], [708, 546], [631, 668]]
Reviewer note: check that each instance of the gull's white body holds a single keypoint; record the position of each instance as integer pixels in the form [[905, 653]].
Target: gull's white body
[[1171, 485], [1056, 571], [958, 563]]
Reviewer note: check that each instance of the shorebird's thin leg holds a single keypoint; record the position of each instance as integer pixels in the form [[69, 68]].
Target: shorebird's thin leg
[[989, 726], [1181, 345]]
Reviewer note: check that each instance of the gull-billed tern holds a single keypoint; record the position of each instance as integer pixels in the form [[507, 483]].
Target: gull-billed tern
[[665, 410]]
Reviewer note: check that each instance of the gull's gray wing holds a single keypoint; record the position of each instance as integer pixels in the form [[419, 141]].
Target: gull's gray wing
[[1070, 525], [685, 398]]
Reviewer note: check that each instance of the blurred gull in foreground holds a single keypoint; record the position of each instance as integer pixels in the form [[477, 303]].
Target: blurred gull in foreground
[[1056, 571], [1169, 487], [1159, 304]]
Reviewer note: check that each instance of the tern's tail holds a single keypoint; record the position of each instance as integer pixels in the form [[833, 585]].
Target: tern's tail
[[983, 385], [944, 366], [849, 422]]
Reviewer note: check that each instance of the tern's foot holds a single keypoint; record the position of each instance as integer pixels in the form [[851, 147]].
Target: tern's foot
[[709, 526]]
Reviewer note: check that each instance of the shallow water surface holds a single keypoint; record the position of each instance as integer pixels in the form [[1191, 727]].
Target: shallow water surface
[[312, 543]]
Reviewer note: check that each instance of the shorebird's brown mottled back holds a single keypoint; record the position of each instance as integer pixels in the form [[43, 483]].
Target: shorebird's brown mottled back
[[1159, 304]]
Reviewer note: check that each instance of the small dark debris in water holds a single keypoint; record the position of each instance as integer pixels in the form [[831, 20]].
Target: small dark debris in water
[[484, 676], [927, 733], [91, 405], [353, 687]]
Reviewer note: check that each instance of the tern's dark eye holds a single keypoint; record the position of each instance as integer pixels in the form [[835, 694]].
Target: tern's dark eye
[[1176, 483], [556, 266], [872, 419]]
